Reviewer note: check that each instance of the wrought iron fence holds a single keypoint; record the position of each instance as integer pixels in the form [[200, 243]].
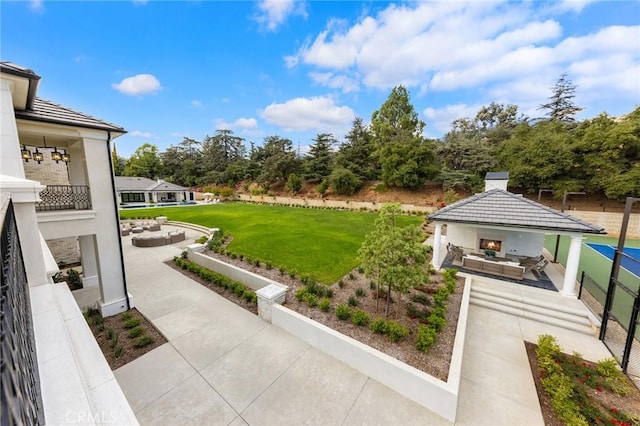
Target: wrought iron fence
[[64, 197], [20, 385]]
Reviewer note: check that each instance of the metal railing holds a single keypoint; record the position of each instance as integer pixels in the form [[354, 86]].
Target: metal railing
[[64, 197], [20, 382]]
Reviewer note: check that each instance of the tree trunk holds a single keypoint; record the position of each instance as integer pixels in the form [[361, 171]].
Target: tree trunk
[[386, 309]]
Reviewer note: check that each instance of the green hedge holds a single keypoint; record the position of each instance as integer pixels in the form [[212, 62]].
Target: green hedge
[[220, 280]]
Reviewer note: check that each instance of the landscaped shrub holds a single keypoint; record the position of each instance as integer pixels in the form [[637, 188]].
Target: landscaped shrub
[[325, 304], [423, 299], [360, 317], [426, 338], [343, 312], [220, 280], [341, 283], [110, 333], [379, 326], [301, 293], [203, 239], [114, 340], [294, 183], [143, 341], [268, 266], [135, 332], [126, 316], [352, 301], [360, 292], [396, 331], [360, 270], [118, 351], [351, 276], [216, 241], [344, 182], [133, 322], [328, 293], [437, 322], [372, 285]]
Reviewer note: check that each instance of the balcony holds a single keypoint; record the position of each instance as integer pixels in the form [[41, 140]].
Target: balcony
[[64, 197]]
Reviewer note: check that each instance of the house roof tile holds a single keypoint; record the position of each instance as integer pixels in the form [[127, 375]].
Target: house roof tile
[[47, 111], [502, 208]]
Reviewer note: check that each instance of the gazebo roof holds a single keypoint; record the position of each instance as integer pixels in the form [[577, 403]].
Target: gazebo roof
[[498, 207]]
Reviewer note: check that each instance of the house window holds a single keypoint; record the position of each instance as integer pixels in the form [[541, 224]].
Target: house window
[[132, 197], [494, 245]]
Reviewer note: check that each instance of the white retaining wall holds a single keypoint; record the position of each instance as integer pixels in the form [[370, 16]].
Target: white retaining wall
[[251, 280], [434, 394]]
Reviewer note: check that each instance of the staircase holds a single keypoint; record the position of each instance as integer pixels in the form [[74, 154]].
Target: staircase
[[551, 309]]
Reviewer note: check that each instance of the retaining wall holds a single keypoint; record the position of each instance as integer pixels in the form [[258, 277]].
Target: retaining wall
[[434, 394], [251, 280]]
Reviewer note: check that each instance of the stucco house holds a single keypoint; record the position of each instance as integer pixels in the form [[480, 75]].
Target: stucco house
[[509, 226], [141, 190], [56, 371]]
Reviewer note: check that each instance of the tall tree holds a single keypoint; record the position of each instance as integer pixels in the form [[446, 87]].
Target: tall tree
[[392, 256], [538, 156], [318, 160], [406, 158], [355, 153], [561, 106], [181, 164], [277, 160], [144, 162], [221, 149]]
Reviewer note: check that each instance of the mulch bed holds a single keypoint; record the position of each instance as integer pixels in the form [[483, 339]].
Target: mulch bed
[[130, 352], [629, 403]]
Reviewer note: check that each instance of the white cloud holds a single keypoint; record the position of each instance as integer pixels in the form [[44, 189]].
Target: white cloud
[[139, 134], [440, 119], [221, 124], [245, 123], [196, 103], [335, 81], [139, 2], [140, 84], [36, 5], [273, 13], [319, 114], [482, 46]]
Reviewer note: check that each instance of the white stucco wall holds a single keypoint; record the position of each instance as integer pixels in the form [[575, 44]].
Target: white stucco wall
[[514, 242]]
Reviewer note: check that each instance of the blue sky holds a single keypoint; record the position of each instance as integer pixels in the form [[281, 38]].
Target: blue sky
[[165, 70]]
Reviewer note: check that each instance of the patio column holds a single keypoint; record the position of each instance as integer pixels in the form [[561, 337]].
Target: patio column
[[89, 261], [571, 270], [435, 259]]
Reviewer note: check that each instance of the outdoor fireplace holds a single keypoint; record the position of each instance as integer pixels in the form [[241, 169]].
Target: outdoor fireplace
[[486, 244]]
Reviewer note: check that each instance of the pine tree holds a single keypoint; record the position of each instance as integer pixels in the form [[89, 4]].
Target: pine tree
[[561, 106]]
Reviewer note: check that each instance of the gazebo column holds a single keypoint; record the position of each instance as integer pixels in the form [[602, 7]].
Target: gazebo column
[[571, 270], [435, 259]]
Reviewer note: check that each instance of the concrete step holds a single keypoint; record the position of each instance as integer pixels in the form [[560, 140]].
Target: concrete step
[[548, 313], [191, 226], [548, 310]]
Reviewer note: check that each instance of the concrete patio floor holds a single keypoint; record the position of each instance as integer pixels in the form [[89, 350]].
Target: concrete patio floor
[[223, 365]]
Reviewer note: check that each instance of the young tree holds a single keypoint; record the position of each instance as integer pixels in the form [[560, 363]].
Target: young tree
[[561, 106], [407, 160], [144, 162], [394, 257]]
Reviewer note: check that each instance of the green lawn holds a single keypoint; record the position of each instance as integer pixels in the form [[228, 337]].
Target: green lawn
[[320, 243]]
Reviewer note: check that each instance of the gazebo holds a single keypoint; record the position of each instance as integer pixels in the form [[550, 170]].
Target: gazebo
[[510, 225]]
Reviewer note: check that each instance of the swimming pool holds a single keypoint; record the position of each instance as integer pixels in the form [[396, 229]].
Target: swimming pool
[[146, 206]]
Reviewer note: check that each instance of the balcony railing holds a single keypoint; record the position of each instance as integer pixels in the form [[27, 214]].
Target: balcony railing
[[64, 197], [20, 382]]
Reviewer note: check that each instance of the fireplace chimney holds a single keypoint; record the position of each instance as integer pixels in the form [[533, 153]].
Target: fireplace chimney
[[496, 180]]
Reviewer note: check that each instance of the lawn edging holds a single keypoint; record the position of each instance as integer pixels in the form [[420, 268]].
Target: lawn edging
[[432, 393]]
